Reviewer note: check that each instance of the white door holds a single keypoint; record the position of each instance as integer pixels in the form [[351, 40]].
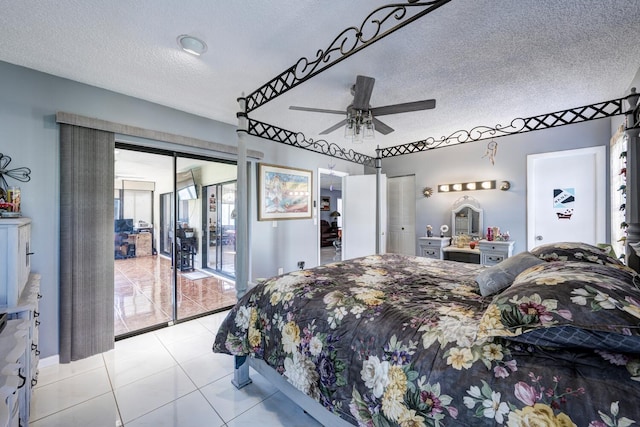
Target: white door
[[566, 196], [401, 208], [359, 221]]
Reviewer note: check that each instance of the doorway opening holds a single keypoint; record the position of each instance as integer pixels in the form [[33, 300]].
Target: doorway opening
[[330, 215], [162, 273]]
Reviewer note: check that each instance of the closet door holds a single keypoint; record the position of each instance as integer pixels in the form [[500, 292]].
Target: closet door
[[402, 215]]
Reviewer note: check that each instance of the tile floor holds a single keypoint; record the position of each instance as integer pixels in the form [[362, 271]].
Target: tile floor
[[166, 378], [143, 294]]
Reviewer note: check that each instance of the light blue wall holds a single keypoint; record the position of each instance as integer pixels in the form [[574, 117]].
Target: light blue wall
[[505, 209], [29, 134]]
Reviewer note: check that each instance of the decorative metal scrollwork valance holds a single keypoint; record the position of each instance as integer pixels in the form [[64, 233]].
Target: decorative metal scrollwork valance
[[519, 125], [378, 24], [298, 139]]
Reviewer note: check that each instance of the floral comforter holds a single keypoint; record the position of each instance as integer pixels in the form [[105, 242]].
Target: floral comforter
[[394, 340]]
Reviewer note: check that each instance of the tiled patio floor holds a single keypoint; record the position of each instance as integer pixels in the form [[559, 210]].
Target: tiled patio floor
[[143, 293]]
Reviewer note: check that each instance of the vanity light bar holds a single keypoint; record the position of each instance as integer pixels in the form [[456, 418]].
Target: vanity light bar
[[467, 186]]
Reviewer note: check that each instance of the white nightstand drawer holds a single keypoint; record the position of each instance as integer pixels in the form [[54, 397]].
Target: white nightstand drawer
[[492, 259], [431, 252]]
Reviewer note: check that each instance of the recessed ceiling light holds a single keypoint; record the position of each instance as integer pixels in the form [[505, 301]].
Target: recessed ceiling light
[[191, 44]]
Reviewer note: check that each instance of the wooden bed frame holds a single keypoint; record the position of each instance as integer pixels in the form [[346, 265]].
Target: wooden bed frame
[[267, 92]]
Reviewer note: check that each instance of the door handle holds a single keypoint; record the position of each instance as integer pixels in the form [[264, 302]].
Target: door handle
[[538, 237]]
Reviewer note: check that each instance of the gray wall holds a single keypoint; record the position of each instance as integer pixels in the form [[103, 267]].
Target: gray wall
[[505, 209], [29, 101]]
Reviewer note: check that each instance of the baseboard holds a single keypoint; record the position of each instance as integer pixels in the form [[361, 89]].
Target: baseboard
[[49, 361]]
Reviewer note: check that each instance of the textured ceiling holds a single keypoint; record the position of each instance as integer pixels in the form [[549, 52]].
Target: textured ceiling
[[484, 61]]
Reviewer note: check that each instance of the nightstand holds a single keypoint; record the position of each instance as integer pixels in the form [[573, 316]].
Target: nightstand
[[495, 251], [431, 247]]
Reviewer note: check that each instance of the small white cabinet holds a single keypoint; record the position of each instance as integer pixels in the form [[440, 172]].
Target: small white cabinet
[[431, 247], [15, 254], [493, 252]]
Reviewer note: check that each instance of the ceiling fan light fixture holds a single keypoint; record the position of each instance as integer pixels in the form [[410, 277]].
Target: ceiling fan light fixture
[[350, 127], [192, 45], [359, 126], [369, 127], [362, 121], [358, 138]]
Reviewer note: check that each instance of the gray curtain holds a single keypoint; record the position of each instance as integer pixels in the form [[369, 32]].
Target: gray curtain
[[86, 242]]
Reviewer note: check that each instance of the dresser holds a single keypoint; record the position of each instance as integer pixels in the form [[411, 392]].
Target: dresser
[[492, 252], [431, 247], [19, 301]]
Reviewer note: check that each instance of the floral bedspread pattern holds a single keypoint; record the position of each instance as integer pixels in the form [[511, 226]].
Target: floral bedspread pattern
[[393, 340]]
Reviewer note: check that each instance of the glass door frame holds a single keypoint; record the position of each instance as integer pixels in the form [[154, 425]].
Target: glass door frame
[[174, 156], [221, 239]]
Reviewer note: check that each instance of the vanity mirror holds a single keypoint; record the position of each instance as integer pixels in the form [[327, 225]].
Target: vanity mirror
[[466, 217]]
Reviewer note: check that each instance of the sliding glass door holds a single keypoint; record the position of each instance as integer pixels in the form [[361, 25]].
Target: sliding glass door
[[143, 281], [220, 214], [161, 234]]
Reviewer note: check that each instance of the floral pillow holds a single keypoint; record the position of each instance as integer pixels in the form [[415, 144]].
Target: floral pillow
[[573, 251], [574, 304]]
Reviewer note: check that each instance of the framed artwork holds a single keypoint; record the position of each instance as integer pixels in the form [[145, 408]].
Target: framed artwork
[[325, 203], [284, 193]]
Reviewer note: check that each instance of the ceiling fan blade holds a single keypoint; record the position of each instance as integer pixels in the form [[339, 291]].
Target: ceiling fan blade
[[426, 104], [316, 110], [338, 125], [362, 92], [381, 127]]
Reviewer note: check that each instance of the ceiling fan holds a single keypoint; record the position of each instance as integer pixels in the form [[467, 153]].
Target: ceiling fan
[[360, 113]]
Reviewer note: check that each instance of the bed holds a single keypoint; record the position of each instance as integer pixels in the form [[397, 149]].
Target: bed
[[547, 337]]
